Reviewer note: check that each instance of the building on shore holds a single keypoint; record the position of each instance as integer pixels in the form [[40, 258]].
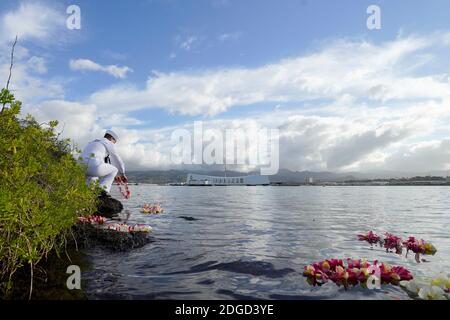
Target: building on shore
[[204, 180]]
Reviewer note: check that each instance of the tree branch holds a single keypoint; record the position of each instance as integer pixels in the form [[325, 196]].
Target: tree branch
[[10, 69], [12, 63]]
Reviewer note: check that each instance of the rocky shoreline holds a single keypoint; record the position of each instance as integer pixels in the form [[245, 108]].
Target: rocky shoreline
[[89, 236]]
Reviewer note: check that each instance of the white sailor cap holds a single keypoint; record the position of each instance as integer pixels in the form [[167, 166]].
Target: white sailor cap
[[112, 134]]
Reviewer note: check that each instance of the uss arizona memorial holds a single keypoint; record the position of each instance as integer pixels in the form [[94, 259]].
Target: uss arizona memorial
[[204, 180]]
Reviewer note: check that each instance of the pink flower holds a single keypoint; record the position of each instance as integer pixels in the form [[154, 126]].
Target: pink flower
[[354, 263], [371, 237], [416, 246], [419, 247], [403, 273], [315, 275], [335, 262], [393, 242], [353, 276], [92, 220], [356, 272]]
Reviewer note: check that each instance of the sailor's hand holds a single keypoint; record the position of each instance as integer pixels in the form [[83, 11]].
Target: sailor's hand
[[124, 178]]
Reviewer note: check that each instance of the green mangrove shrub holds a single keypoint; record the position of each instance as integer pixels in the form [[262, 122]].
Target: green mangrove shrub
[[42, 191]]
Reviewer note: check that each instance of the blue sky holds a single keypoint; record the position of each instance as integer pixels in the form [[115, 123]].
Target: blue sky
[[146, 67], [144, 34]]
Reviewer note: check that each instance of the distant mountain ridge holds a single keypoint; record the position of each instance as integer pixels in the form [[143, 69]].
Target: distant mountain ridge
[[283, 176]]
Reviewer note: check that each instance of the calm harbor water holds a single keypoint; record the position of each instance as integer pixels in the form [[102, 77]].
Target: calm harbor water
[[253, 242]]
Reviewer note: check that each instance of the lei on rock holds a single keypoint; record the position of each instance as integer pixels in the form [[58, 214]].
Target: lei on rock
[[354, 272], [122, 227], [94, 220], [428, 289], [100, 222], [392, 242]]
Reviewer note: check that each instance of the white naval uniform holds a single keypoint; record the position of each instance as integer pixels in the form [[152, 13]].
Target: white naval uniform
[[94, 157]]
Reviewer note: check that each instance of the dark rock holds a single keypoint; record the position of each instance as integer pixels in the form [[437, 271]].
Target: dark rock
[[108, 206], [88, 236]]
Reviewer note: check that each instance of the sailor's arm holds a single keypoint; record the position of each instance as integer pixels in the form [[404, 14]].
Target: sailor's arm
[[116, 159]]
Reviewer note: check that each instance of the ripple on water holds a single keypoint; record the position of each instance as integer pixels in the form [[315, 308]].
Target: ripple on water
[[252, 242]]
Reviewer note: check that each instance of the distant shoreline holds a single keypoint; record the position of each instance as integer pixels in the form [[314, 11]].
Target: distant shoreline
[[301, 185]]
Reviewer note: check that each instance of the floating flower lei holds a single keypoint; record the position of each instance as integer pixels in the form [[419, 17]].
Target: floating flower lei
[[122, 227], [95, 220], [152, 208], [392, 242], [371, 237], [419, 246], [353, 273], [435, 289]]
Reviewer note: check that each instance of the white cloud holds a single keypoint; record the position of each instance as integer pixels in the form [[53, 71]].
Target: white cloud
[[89, 65], [338, 142], [76, 120], [419, 157], [37, 64], [41, 23], [361, 138], [32, 20], [118, 119], [378, 114], [359, 69], [27, 85], [188, 43]]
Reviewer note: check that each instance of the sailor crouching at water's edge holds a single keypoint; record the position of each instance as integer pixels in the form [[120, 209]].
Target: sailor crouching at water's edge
[[103, 162]]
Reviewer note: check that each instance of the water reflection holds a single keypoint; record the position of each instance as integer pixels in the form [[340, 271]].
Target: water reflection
[[252, 242]]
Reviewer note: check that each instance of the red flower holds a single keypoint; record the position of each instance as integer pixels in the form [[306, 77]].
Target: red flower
[[404, 273], [92, 220], [416, 246], [393, 242], [354, 263], [371, 237], [335, 262], [356, 272]]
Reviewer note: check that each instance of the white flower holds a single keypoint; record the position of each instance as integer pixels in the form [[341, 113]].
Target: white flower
[[119, 227], [142, 228], [410, 286], [432, 293], [426, 289], [441, 281]]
